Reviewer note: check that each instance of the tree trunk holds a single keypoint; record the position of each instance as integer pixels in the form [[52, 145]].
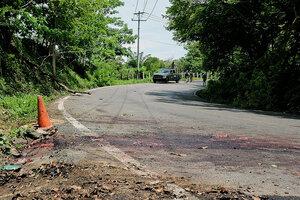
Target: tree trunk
[[54, 54], [53, 60]]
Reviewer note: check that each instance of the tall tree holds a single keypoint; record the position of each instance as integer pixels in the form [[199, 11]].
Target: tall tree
[[253, 44], [58, 35]]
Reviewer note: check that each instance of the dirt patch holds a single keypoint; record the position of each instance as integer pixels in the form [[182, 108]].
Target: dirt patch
[[96, 181], [91, 180]]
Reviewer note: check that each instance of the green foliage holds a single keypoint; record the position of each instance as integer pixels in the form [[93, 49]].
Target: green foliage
[[5, 145], [15, 111], [193, 60], [7, 140], [253, 45], [132, 62], [19, 108], [153, 64], [81, 34]]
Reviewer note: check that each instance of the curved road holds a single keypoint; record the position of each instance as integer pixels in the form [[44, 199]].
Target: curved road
[[170, 130]]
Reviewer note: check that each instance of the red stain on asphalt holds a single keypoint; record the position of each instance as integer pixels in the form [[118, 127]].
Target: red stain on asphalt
[[222, 136], [47, 145], [98, 139], [41, 143], [155, 144]]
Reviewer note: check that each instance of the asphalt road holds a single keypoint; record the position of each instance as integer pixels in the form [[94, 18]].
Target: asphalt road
[[171, 131]]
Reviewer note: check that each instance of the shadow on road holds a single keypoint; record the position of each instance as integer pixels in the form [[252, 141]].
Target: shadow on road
[[188, 97]]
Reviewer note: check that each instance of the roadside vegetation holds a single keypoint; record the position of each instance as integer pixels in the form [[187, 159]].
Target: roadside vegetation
[[50, 46], [15, 111], [252, 47]]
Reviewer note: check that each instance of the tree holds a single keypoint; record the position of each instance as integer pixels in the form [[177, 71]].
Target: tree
[[254, 45], [56, 36], [153, 64], [132, 62], [193, 60]]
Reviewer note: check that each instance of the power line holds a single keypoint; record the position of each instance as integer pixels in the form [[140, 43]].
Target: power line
[[155, 16], [156, 20], [137, 3], [161, 42], [152, 9], [163, 20], [145, 4]]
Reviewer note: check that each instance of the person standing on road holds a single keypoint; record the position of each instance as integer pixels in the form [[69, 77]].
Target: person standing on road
[[191, 76], [172, 66], [204, 79], [186, 76]]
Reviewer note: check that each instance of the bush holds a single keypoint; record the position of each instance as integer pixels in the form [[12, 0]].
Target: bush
[[256, 91]]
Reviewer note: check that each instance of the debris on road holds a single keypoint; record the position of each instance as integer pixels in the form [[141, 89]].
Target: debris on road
[[61, 180], [23, 161], [41, 133], [98, 140], [151, 144], [222, 136], [10, 167], [66, 181], [223, 190], [138, 142], [178, 154], [14, 152]]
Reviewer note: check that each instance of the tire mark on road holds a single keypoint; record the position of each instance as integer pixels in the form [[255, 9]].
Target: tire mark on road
[[116, 116], [124, 158], [106, 100], [161, 131]]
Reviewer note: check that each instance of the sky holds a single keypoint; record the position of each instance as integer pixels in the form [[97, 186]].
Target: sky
[[154, 38]]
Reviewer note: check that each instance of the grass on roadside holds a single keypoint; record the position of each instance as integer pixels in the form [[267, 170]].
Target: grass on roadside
[[16, 111], [131, 81]]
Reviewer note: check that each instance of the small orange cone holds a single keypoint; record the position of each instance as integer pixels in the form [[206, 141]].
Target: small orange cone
[[43, 118]]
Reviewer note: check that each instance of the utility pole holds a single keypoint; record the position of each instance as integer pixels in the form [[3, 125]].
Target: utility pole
[[139, 20]]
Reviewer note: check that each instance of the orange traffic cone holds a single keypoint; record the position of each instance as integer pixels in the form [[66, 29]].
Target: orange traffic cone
[[43, 118]]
